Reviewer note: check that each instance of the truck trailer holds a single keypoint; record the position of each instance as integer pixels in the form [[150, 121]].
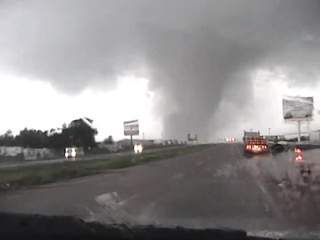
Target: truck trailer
[[254, 143]]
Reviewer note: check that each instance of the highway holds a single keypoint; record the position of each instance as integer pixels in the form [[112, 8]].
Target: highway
[[218, 186]]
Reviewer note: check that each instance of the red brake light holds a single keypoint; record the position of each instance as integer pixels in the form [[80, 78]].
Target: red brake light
[[299, 154], [297, 150]]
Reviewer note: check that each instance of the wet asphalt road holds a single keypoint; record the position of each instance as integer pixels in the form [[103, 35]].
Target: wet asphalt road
[[215, 187]]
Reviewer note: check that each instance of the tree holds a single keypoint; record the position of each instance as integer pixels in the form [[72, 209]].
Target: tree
[[109, 140], [7, 139], [32, 138], [80, 134], [58, 140]]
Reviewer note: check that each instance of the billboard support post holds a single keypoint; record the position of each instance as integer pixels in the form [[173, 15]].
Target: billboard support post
[[131, 141], [299, 131], [308, 129]]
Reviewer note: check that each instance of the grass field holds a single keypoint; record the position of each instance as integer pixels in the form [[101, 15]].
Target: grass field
[[17, 177]]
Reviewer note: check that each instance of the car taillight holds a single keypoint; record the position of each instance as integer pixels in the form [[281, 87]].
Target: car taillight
[[299, 158], [297, 150], [298, 154]]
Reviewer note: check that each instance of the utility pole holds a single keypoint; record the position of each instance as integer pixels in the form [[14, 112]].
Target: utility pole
[[308, 129]]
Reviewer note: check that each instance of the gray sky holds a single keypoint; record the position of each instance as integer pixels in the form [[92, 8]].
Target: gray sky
[[189, 66]]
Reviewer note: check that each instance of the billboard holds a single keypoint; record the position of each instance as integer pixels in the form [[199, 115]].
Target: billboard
[[131, 128], [297, 108]]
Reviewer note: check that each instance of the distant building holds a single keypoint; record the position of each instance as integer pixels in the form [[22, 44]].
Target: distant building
[[192, 139]]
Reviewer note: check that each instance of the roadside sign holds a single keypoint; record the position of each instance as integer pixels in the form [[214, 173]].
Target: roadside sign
[[131, 128]]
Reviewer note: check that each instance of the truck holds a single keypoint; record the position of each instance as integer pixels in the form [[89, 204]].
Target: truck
[[254, 143]]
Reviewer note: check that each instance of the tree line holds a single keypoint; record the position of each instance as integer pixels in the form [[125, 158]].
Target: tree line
[[78, 135]]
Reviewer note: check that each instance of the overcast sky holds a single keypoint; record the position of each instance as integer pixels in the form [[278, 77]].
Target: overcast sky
[[207, 67]]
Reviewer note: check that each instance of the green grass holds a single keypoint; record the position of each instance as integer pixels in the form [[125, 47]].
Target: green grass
[[13, 178]]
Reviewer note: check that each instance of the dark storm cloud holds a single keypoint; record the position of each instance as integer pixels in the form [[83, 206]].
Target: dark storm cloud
[[196, 52]]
